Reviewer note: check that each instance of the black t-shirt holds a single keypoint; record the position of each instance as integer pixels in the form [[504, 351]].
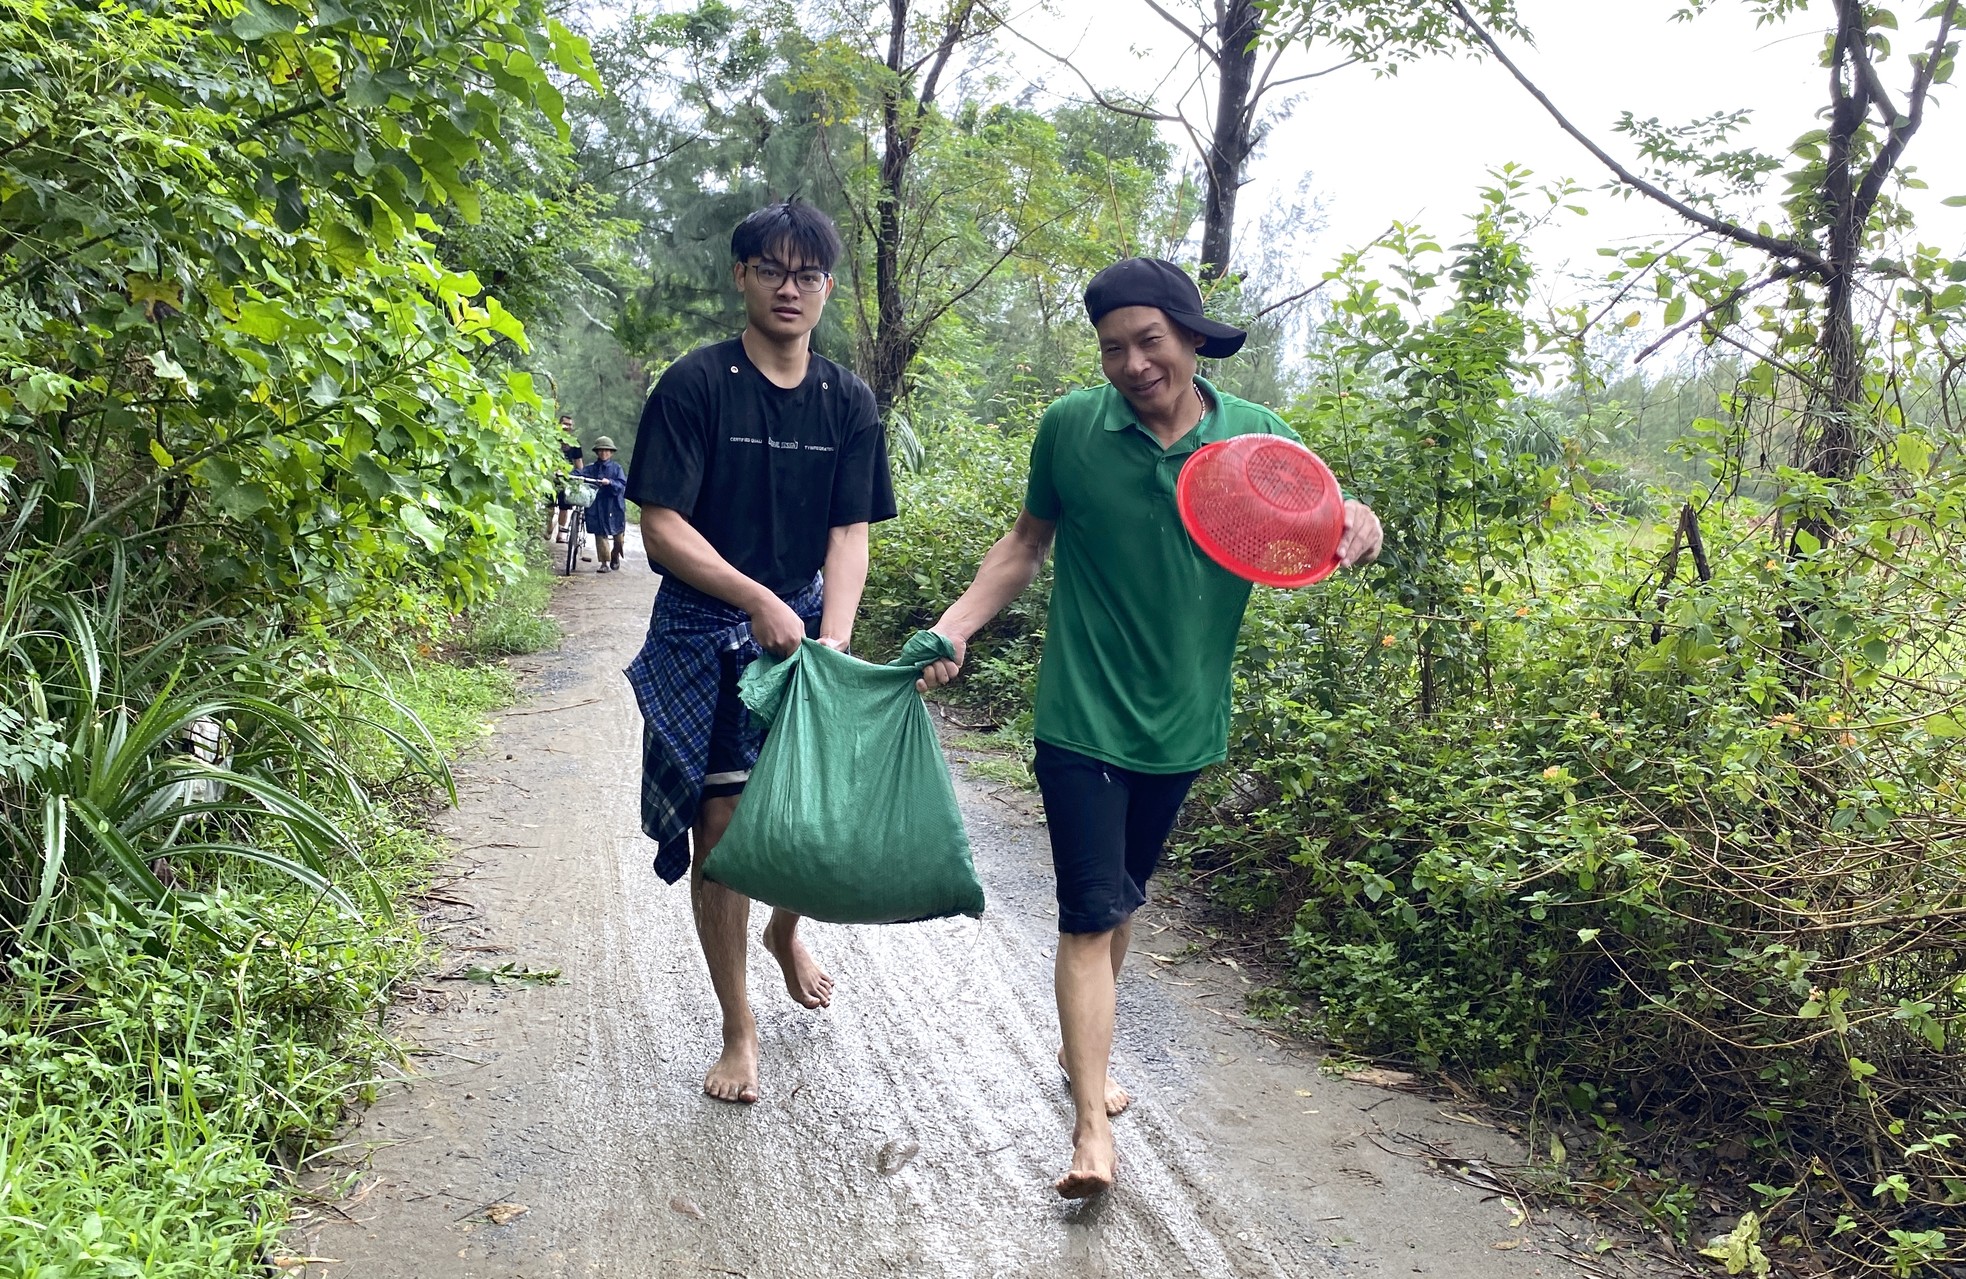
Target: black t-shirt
[[761, 471]]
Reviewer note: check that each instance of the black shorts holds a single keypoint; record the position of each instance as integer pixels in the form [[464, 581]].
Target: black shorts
[[1108, 826], [735, 738]]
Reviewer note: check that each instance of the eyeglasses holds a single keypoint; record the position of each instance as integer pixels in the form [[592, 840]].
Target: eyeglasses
[[771, 275]]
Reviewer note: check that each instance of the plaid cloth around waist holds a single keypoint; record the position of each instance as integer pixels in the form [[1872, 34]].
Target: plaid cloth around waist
[[675, 680]]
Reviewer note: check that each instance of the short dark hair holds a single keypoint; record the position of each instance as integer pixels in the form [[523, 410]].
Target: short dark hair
[[789, 227]]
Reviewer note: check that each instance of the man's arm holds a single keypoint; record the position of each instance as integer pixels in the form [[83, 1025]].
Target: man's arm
[[1006, 572], [679, 548], [846, 581]]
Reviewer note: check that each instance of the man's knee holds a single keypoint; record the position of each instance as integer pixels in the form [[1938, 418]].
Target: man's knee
[[712, 820], [1099, 943]]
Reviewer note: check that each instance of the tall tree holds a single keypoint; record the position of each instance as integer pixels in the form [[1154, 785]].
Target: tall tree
[[1834, 251], [907, 97], [942, 188], [699, 125], [1837, 195], [1240, 51]]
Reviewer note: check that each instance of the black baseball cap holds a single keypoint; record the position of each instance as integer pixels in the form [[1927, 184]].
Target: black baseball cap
[[1156, 283]]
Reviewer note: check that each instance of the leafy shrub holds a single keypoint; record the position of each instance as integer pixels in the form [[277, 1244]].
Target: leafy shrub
[[514, 620], [153, 1095], [160, 1070], [952, 512], [127, 792], [230, 334]]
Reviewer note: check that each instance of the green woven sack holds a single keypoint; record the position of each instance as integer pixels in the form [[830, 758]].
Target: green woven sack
[[849, 816]]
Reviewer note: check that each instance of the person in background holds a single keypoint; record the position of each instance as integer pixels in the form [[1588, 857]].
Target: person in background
[[572, 454], [607, 515]]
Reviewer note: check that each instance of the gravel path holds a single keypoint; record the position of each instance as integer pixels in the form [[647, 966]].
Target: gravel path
[[557, 1128]]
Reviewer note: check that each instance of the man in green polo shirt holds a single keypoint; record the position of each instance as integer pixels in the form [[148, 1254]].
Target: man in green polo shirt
[[1133, 693]]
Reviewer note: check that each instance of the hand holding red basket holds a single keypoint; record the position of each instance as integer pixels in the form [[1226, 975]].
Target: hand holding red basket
[[1265, 508]]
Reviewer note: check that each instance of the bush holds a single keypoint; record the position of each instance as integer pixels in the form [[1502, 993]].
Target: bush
[[1621, 882], [515, 621], [952, 512]]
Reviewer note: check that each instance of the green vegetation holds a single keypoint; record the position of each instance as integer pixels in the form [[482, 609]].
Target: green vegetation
[[515, 620], [164, 1072], [265, 451], [1627, 787]]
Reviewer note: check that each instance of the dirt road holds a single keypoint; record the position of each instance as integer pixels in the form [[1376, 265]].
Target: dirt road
[[557, 1128]]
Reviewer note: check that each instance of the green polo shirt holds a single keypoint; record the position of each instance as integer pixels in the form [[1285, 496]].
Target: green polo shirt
[[1141, 636]]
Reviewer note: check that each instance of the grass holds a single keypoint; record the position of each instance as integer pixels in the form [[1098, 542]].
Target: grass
[[1002, 757], [160, 1082], [515, 621]]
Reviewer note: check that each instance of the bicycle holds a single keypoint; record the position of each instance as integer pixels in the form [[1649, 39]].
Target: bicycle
[[579, 492]]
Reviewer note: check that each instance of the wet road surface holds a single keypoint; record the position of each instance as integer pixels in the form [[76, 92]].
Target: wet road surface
[[546, 1129]]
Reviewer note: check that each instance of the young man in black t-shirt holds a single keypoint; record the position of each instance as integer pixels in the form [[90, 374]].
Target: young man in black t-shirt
[[758, 467]]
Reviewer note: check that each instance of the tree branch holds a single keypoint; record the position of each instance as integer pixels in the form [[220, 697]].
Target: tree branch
[[1110, 104], [1292, 300], [36, 267], [1902, 127], [1770, 245], [1733, 296], [922, 322], [1633, 281], [859, 210], [952, 35], [1194, 38], [1874, 85], [1309, 75], [678, 149]]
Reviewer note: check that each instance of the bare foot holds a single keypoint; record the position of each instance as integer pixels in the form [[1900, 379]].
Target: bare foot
[[1117, 1098], [734, 1077], [1094, 1163], [805, 980]]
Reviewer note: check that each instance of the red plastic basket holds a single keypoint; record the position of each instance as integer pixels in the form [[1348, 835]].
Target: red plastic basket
[[1263, 507]]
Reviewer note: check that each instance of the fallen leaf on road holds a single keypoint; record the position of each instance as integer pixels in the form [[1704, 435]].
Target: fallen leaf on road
[[1379, 1077], [499, 1214], [686, 1206], [1303, 1092], [895, 1156]]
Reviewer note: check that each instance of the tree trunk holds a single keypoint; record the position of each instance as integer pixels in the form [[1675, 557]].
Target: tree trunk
[[1236, 29], [1831, 441], [1830, 444], [893, 346]]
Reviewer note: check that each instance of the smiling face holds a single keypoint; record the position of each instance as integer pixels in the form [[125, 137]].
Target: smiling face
[[781, 311], [1151, 359]]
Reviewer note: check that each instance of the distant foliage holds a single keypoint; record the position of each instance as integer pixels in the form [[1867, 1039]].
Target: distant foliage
[[232, 343]]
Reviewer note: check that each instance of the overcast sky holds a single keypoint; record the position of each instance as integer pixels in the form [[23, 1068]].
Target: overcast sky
[[1416, 147]]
